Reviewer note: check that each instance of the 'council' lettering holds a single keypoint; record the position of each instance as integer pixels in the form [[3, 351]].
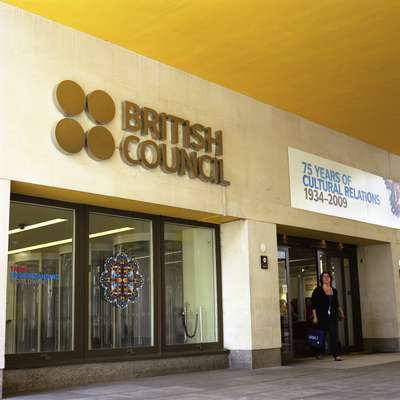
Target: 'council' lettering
[[201, 148]]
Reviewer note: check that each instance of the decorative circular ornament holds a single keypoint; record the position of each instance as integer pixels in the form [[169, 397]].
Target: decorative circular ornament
[[100, 143], [70, 98], [100, 106], [121, 280], [69, 136]]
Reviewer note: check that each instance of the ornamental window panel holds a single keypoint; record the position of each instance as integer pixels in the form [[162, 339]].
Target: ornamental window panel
[[121, 313]]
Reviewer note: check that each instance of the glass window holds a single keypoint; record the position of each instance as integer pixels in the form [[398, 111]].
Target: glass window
[[119, 296], [190, 284], [120, 282], [40, 279]]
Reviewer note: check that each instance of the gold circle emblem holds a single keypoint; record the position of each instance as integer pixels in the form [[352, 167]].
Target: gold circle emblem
[[100, 143], [70, 98], [69, 136], [100, 106]]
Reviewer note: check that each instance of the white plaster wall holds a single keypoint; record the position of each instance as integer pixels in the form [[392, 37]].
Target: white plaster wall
[[4, 217], [36, 54], [236, 297], [379, 290]]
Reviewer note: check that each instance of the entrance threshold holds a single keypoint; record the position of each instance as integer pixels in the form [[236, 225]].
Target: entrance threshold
[[354, 360]]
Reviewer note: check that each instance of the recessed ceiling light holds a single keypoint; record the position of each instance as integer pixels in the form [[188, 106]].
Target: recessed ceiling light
[[112, 231], [65, 241], [35, 226], [40, 246]]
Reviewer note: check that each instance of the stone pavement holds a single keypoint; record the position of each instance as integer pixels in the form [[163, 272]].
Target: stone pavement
[[364, 377]]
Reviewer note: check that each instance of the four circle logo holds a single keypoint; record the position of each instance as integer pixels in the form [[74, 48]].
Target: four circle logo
[[69, 135]]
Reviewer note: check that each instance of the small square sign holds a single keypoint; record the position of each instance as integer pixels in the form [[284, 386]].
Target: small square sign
[[264, 262]]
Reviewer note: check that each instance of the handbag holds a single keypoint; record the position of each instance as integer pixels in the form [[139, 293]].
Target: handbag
[[316, 338]]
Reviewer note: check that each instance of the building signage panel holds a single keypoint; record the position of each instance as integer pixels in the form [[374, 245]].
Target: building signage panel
[[328, 187], [152, 139]]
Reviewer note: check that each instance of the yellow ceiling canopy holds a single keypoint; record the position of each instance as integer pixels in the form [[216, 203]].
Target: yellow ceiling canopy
[[336, 62]]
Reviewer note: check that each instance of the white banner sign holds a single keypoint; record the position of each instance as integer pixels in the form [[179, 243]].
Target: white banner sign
[[331, 188]]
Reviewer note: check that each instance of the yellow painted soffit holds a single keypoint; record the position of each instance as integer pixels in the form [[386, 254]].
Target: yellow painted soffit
[[335, 62]]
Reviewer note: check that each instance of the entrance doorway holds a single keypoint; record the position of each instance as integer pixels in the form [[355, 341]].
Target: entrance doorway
[[300, 263]]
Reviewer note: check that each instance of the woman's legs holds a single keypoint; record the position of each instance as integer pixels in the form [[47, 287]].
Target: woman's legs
[[333, 338], [320, 352]]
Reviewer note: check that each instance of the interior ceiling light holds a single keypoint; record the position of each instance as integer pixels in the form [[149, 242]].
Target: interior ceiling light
[[65, 241], [34, 226], [40, 246], [105, 233]]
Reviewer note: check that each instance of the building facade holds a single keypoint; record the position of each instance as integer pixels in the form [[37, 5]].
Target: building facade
[[168, 236]]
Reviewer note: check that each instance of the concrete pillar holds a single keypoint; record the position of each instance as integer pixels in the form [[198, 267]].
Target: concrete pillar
[[250, 294], [380, 296], [4, 217]]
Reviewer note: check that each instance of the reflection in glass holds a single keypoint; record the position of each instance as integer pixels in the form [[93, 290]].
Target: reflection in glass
[[284, 306], [303, 281], [40, 279], [190, 284], [111, 327], [334, 268], [349, 301]]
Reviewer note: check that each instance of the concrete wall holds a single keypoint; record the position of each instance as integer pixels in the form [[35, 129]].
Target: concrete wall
[[37, 54], [380, 296], [250, 294], [18, 381], [236, 286], [264, 286]]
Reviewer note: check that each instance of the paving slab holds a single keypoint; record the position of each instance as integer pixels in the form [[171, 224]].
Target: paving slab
[[360, 376]]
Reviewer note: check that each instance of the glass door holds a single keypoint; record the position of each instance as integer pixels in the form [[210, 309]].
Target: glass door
[[348, 302], [303, 280], [284, 304], [342, 268], [299, 270], [334, 267]]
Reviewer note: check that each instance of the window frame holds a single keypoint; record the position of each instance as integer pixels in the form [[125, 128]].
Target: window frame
[[126, 350], [81, 352], [210, 346], [17, 359]]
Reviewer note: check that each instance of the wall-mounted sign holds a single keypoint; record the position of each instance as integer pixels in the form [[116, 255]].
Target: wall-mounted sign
[[22, 275], [152, 140], [331, 188], [264, 262]]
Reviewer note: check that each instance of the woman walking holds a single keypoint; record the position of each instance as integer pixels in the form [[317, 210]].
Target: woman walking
[[326, 313]]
